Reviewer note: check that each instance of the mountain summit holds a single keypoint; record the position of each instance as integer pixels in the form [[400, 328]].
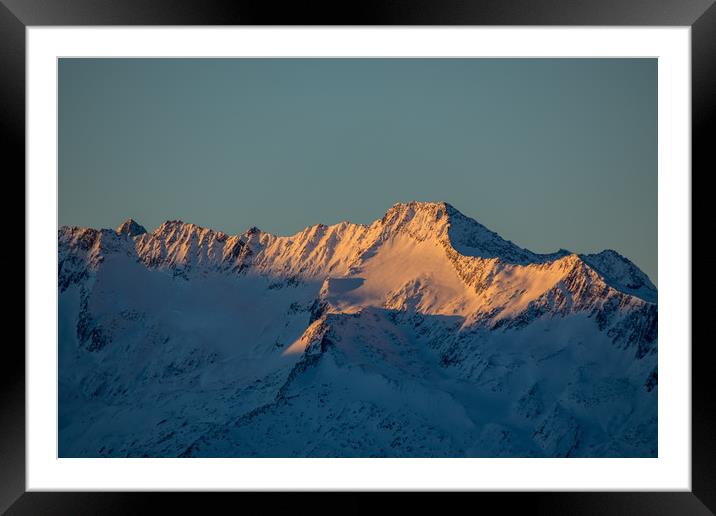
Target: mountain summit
[[421, 334], [130, 228]]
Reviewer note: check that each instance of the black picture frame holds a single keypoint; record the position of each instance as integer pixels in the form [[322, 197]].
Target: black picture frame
[[16, 15]]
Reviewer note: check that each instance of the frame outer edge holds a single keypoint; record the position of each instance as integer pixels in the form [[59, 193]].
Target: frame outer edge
[[12, 365], [703, 120], [12, 129], [365, 12]]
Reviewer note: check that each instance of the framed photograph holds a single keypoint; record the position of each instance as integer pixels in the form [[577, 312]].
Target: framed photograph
[[424, 249]]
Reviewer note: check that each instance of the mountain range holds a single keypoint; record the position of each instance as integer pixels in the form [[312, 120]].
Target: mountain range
[[423, 334]]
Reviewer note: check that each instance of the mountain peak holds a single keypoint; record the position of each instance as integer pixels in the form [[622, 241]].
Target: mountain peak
[[421, 205], [131, 228], [173, 225], [622, 274], [438, 208], [464, 234]]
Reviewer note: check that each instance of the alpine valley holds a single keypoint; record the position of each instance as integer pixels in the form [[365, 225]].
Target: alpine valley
[[423, 334]]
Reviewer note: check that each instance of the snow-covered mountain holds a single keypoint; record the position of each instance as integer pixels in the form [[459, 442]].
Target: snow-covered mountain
[[422, 334]]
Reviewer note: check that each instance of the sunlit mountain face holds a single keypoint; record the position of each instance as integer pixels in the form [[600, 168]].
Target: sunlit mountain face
[[423, 334]]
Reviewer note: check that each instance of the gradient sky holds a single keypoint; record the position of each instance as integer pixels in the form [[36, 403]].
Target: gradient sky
[[550, 153]]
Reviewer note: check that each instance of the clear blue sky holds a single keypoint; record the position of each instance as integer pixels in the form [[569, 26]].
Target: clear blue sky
[[550, 153]]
